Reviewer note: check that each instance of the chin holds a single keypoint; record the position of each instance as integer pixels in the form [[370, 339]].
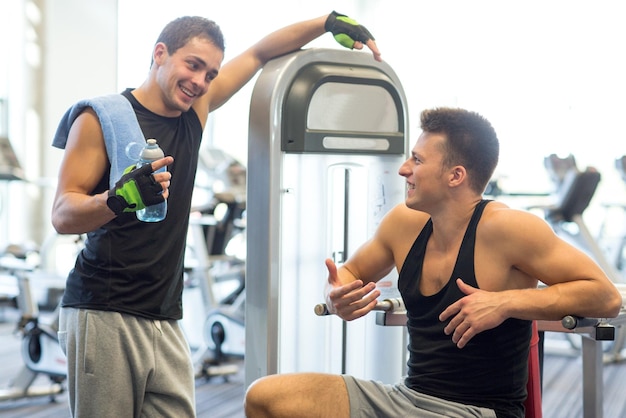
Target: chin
[[412, 203], [181, 106]]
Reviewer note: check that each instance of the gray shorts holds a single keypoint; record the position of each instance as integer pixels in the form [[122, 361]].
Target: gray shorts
[[377, 400], [120, 365]]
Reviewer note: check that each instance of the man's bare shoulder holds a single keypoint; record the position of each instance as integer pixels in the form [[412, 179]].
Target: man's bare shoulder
[[501, 221], [500, 212], [402, 220], [402, 213]]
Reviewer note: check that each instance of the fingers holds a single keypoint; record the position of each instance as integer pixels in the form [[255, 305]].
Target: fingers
[[449, 311], [455, 308], [459, 327], [333, 278], [166, 190], [163, 177], [371, 44], [465, 288], [475, 312], [351, 300], [463, 334], [163, 162], [350, 293], [354, 299]]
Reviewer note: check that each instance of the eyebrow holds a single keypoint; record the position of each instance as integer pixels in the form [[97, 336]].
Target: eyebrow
[[198, 60], [203, 63]]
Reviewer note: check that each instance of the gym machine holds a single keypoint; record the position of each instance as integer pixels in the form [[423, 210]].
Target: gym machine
[[40, 349], [328, 130]]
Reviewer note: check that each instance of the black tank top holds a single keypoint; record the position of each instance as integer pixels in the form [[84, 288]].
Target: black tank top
[[134, 267], [492, 369]]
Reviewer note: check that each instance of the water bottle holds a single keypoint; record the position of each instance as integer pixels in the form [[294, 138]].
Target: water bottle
[[150, 153]]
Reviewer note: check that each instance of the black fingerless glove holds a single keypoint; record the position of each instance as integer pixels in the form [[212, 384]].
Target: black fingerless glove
[[346, 31], [135, 190]]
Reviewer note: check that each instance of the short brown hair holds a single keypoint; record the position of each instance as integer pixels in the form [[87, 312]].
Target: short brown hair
[[471, 142]]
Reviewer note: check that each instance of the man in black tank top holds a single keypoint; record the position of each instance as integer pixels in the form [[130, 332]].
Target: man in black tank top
[[468, 273], [119, 319]]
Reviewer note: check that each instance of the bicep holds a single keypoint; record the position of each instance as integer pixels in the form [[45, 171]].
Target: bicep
[[541, 253], [231, 78], [371, 262], [85, 159], [390, 244], [78, 207]]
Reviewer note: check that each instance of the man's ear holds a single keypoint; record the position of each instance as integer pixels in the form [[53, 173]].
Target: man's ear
[[160, 53], [458, 175]]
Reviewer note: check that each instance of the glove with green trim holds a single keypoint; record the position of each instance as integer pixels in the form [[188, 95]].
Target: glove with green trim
[[346, 31], [135, 190]]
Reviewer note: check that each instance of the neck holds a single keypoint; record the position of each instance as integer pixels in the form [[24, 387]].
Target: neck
[[448, 224], [149, 96]]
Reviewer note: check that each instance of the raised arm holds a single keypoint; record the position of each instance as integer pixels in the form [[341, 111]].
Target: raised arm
[[238, 71]]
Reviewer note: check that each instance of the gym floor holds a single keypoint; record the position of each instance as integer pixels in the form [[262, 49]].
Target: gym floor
[[215, 398], [219, 398]]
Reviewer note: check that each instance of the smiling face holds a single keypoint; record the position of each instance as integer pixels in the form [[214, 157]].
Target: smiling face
[[186, 74], [424, 172]]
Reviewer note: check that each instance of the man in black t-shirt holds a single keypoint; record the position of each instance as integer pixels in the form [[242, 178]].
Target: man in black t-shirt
[[119, 318]]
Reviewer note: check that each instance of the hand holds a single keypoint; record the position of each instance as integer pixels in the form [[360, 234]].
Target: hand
[[139, 187], [350, 34], [476, 312], [349, 301]]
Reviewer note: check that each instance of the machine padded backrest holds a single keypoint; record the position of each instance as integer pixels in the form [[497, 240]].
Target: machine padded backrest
[[575, 193]]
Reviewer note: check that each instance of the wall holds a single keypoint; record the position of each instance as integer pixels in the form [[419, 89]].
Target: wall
[[59, 51], [549, 75]]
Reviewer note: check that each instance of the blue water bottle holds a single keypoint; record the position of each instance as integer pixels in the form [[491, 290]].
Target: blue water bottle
[[150, 153]]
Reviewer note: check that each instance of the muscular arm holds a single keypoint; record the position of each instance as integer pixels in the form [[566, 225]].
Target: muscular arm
[[352, 289], [575, 283], [84, 164], [523, 248], [238, 71], [77, 208], [389, 246]]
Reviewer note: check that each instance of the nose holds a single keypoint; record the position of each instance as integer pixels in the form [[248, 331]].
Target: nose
[[199, 80], [404, 169]]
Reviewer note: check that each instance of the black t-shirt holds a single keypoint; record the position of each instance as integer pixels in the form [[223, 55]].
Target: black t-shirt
[[492, 369], [135, 267]]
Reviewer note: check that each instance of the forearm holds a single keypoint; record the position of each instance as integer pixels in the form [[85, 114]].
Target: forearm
[[238, 71], [77, 213], [288, 39], [584, 298], [366, 269]]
